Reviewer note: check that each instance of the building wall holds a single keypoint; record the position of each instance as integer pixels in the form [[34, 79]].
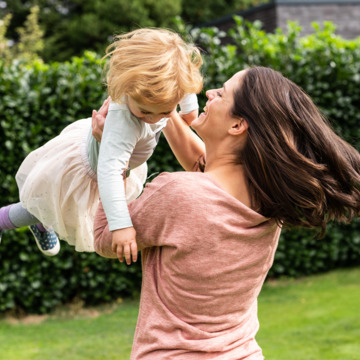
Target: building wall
[[266, 14], [345, 16]]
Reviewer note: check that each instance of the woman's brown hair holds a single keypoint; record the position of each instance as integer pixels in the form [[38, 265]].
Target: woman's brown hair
[[300, 172]]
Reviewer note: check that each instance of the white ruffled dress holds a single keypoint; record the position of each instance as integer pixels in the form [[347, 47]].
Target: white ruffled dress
[[58, 186]]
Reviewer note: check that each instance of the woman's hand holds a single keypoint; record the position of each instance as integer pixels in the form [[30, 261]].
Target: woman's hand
[[98, 120]]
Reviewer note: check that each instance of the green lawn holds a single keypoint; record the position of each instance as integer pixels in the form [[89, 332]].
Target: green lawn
[[315, 318]]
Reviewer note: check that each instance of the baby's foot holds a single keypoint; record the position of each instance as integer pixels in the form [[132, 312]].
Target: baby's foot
[[47, 241]]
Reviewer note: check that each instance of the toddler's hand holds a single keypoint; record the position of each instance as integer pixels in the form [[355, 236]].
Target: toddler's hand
[[124, 244]]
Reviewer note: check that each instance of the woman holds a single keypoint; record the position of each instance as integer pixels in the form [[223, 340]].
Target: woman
[[208, 239]]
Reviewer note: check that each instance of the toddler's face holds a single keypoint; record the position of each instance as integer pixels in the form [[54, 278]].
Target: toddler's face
[[150, 114]]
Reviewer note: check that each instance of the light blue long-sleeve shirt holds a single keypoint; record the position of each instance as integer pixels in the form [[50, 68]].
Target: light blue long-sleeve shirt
[[125, 139]]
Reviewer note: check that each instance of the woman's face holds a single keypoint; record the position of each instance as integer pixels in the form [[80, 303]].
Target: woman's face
[[215, 119]]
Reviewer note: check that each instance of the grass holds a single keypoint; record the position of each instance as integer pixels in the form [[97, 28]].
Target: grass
[[313, 318], [75, 334], [305, 319]]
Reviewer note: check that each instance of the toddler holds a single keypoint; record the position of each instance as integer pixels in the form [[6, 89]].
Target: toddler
[[149, 72]]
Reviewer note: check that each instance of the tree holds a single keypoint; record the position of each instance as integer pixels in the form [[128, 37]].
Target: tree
[[72, 26], [30, 43], [198, 12], [4, 47]]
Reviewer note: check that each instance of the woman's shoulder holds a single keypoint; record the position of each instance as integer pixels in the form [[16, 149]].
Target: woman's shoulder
[[198, 187], [182, 178], [186, 185], [178, 183]]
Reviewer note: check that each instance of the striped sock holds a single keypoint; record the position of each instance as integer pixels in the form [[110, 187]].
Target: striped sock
[[5, 222]]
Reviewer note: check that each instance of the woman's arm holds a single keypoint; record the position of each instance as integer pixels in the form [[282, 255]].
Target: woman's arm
[[98, 120], [102, 235], [184, 143], [149, 213]]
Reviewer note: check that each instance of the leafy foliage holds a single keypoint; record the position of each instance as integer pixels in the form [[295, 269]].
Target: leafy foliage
[[38, 101], [197, 12], [30, 42], [72, 26], [4, 48]]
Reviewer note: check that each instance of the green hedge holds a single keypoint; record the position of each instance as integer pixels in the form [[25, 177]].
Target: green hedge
[[38, 101]]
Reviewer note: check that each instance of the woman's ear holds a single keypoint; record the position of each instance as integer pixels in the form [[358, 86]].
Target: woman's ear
[[238, 127]]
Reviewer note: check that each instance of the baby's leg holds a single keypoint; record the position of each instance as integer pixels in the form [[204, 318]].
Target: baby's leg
[[15, 216]]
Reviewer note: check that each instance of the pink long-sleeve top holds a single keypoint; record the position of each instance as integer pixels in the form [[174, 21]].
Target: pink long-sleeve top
[[204, 260]]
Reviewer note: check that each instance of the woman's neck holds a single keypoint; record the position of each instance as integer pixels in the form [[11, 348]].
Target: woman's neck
[[231, 177]]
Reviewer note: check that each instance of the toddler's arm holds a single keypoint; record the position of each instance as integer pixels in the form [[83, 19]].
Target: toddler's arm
[[118, 141], [123, 241]]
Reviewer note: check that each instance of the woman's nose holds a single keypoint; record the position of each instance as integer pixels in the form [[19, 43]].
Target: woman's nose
[[210, 94]]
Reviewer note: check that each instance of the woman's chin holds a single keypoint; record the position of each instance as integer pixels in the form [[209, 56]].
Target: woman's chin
[[198, 121]]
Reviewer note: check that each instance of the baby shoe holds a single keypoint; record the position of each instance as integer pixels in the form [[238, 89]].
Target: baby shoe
[[47, 242]]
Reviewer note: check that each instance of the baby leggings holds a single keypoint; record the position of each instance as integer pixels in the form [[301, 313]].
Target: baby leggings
[[15, 216]]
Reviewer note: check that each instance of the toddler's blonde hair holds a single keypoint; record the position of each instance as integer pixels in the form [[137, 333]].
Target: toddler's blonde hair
[[153, 66]]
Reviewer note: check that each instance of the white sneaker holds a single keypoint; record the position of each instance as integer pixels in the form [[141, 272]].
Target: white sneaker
[[47, 242]]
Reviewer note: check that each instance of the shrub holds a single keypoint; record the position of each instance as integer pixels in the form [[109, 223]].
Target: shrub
[[38, 101]]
